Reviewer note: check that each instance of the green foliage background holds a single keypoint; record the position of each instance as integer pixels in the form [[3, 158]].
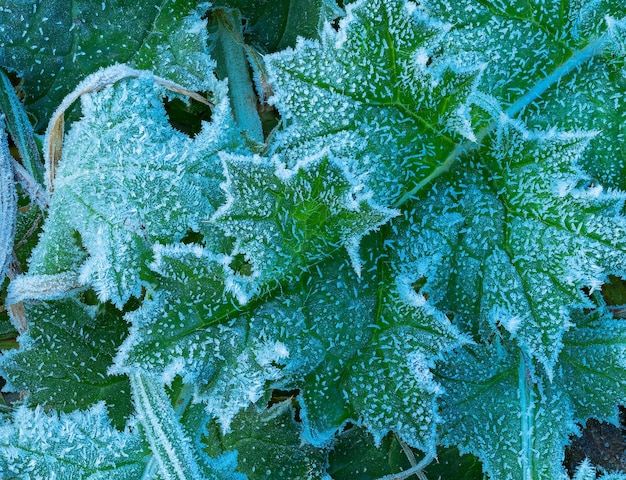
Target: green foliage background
[[383, 239]]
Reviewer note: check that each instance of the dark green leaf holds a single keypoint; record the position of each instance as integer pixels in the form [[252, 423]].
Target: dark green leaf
[[64, 356], [53, 45]]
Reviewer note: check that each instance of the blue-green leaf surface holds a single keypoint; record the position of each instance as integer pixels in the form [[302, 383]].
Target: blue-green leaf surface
[[523, 425], [377, 92], [353, 348], [78, 445], [415, 252], [530, 230], [285, 219]]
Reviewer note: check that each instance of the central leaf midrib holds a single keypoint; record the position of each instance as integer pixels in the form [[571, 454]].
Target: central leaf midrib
[[527, 405]]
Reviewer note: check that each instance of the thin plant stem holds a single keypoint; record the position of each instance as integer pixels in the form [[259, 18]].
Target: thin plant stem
[[417, 470]]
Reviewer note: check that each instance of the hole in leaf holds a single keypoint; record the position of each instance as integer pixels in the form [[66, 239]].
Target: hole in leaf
[[192, 237], [90, 297], [187, 118], [270, 118], [587, 293], [240, 265], [418, 284], [279, 396], [276, 364], [335, 24], [134, 303]]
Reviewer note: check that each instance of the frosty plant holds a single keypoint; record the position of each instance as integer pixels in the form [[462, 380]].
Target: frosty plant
[[289, 240]]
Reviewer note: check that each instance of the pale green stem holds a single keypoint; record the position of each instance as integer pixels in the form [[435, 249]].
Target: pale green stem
[[168, 441], [8, 203], [233, 62], [527, 400], [182, 401]]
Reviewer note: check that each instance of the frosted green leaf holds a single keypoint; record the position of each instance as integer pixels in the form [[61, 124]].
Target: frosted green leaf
[[354, 345], [380, 91], [269, 445], [80, 445], [529, 234], [285, 219], [493, 408], [589, 383], [469, 317], [526, 40], [52, 47], [191, 327], [167, 332], [175, 46], [566, 232], [126, 181], [64, 355], [558, 63]]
